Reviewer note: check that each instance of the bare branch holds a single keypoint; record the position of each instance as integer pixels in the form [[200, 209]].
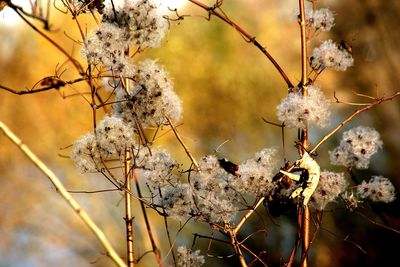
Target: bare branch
[[64, 194], [251, 39]]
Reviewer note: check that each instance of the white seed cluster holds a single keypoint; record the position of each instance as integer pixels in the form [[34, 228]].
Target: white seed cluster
[[151, 97], [331, 55], [144, 25], [320, 19], [356, 147], [107, 46], [158, 168], [378, 189], [188, 258], [255, 175], [214, 195], [85, 154], [135, 23], [330, 186], [207, 197], [298, 111], [178, 202], [214, 198], [110, 139]]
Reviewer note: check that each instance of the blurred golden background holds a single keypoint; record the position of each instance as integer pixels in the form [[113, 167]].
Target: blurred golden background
[[227, 87]]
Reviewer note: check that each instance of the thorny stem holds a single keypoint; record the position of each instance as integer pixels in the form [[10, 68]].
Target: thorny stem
[[154, 247], [65, 195], [251, 39]]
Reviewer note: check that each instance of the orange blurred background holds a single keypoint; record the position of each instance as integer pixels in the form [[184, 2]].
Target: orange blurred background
[[227, 87]]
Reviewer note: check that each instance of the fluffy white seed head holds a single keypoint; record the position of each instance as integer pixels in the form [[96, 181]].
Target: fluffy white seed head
[[330, 186], [151, 97], [110, 139], [378, 189], [113, 136], [215, 199], [143, 24], [297, 111], [255, 175], [188, 258], [85, 154], [356, 147], [135, 23], [158, 168], [331, 55], [107, 46], [320, 19], [178, 201]]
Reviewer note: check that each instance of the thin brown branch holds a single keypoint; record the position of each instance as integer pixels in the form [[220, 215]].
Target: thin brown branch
[[348, 119], [45, 21], [70, 58], [65, 195], [129, 172], [346, 239], [348, 103], [154, 247], [377, 223], [183, 144], [249, 38], [93, 192], [55, 83], [128, 210], [305, 226], [247, 216], [236, 246]]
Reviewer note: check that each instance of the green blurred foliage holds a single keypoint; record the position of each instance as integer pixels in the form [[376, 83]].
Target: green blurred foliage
[[227, 87]]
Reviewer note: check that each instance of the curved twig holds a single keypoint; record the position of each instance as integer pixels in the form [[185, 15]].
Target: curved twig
[[251, 39]]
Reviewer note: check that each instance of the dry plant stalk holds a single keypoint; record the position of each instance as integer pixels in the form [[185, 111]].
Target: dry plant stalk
[[65, 195], [143, 85]]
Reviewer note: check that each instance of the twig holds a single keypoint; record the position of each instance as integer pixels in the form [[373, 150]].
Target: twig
[[355, 113], [236, 246], [74, 62], [56, 83], [346, 239], [45, 21], [247, 36], [377, 223], [128, 210], [247, 215], [65, 195], [305, 226], [182, 143], [154, 247], [128, 200]]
